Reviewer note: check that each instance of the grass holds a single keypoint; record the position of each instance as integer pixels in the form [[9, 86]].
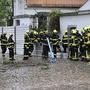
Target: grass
[[44, 66], [8, 62], [18, 65]]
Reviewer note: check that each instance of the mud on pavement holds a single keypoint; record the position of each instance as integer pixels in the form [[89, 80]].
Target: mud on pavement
[[38, 74]]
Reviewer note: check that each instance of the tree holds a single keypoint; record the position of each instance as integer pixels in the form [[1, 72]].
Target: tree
[[5, 12], [54, 20]]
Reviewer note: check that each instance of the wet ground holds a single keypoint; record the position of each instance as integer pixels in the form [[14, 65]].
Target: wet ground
[[38, 74]]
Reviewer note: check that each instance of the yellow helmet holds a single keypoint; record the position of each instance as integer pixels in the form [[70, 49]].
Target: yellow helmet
[[88, 29], [65, 32], [27, 31], [41, 32], [54, 31], [85, 29], [46, 32], [74, 31], [31, 31], [88, 34], [72, 37], [35, 32]]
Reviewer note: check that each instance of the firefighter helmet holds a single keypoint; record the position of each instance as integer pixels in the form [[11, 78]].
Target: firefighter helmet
[[46, 32], [88, 29], [11, 35], [35, 32], [65, 32], [54, 31], [74, 31], [41, 32], [85, 29], [88, 34], [27, 31]]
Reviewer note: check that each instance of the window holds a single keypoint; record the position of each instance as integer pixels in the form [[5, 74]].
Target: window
[[42, 21], [25, 4], [34, 22], [17, 22], [20, 4]]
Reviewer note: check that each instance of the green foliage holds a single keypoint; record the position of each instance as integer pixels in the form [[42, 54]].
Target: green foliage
[[45, 67], [42, 22], [5, 12], [7, 62], [54, 20]]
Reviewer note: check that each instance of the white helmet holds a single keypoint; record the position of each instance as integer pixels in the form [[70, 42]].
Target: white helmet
[[27, 31]]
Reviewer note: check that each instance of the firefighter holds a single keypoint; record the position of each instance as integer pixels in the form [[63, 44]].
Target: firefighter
[[80, 41], [31, 47], [3, 44], [41, 33], [0, 38], [35, 42], [11, 45], [87, 44], [35, 37], [26, 46], [82, 46], [45, 45], [65, 41], [55, 42], [74, 45]]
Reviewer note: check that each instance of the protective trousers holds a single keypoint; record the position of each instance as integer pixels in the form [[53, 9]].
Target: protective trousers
[[11, 53], [74, 53], [54, 50], [30, 49], [45, 51], [64, 47], [4, 48], [88, 52], [26, 53], [82, 52]]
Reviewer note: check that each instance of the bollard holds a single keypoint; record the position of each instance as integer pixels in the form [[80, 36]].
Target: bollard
[[65, 55]]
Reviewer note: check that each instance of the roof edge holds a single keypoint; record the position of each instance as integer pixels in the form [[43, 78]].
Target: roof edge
[[55, 6], [84, 12]]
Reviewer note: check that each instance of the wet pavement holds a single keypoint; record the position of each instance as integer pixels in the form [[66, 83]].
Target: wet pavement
[[38, 74]]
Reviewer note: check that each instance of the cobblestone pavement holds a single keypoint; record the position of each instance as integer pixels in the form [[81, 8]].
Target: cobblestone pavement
[[38, 74]]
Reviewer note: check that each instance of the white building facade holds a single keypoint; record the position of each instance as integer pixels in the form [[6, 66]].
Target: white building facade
[[23, 14], [23, 18], [80, 19]]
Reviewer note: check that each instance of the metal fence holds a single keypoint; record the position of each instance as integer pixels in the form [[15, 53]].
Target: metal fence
[[18, 33]]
